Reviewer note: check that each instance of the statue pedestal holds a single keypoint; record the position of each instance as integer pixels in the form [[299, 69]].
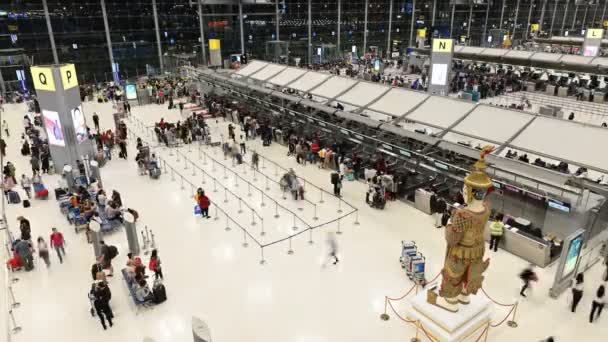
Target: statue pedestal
[[444, 326]]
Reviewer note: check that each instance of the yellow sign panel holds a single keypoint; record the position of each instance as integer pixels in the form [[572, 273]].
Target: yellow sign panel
[[442, 45], [606, 23], [68, 76], [595, 33], [535, 27], [214, 44], [43, 78], [421, 33]]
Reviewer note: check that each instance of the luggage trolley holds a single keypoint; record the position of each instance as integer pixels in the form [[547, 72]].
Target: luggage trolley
[[408, 249], [417, 266]]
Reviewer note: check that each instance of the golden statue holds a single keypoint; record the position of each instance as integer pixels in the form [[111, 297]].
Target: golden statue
[[464, 265]]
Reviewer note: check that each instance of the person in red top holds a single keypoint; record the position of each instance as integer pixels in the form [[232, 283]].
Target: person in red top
[[58, 243], [314, 150], [203, 202]]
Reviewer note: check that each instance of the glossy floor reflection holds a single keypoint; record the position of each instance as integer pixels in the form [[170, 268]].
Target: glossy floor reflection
[[210, 274]]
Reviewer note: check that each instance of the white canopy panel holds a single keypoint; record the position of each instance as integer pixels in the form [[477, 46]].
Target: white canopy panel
[[362, 94], [268, 72], [494, 52], [458, 48], [471, 50], [398, 101], [567, 140], [309, 81], [287, 76], [603, 61], [519, 54], [493, 123], [333, 87], [546, 57], [440, 111], [575, 59], [252, 67]]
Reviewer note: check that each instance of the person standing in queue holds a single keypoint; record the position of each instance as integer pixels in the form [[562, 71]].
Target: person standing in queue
[[96, 121], [496, 231], [155, 265], [203, 202], [577, 291], [101, 302], [58, 242], [598, 303]]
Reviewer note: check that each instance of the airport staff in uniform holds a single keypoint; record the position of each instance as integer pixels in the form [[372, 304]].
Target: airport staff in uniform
[[496, 231]]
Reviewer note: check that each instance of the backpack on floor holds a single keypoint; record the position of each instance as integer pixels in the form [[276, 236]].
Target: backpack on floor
[[113, 252], [159, 292], [13, 197], [26, 203]]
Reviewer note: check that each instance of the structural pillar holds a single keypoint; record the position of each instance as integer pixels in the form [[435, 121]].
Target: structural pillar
[[574, 17], [202, 29], [469, 24], [109, 41], [241, 27], [276, 3], [604, 12], [502, 14], [564, 19], [365, 27], [515, 20], [411, 23], [160, 47], [529, 18], [95, 233], [594, 15], [452, 20], [433, 15], [310, 31], [131, 231], [339, 26], [50, 29], [584, 17], [553, 17], [485, 26], [542, 14], [390, 27], [2, 85]]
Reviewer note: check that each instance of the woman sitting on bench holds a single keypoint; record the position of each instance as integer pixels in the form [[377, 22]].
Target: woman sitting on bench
[[142, 291], [113, 212]]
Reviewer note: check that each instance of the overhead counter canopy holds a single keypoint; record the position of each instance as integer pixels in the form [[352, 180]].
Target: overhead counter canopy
[[546, 57], [286, 76], [398, 101], [571, 141], [493, 123], [310, 80], [333, 87], [269, 71], [362, 94], [250, 68], [440, 112]]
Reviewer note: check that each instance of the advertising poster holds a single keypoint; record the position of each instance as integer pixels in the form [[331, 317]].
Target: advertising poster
[[131, 91], [80, 127], [574, 251], [439, 74], [53, 128]]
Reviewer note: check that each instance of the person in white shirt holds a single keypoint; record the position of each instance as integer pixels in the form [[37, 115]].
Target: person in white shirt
[[598, 303], [26, 184]]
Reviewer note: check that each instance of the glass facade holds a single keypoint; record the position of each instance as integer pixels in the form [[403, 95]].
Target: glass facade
[[80, 38]]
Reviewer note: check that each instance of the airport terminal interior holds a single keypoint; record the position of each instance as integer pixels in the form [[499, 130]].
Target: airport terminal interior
[[304, 170]]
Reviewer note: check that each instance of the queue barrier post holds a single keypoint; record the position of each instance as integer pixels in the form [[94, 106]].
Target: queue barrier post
[[240, 206], [339, 232], [185, 163], [276, 210], [290, 251], [253, 223], [321, 200], [16, 328], [262, 198], [236, 180], [214, 185], [245, 244], [276, 170], [310, 242], [182, 186], [248, 189], [295, 227], [13, 302], [225, 195], [357, 217], [267, 185], [227, 223], [177, 154], [255, 177], [315, 217], [172, 175], [213, 165], [339, 205], [262, 233], [203, 177], [262, 261], [216, 217], [225, 174]]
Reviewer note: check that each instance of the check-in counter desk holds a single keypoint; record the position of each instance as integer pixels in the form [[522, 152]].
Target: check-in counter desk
[[526, 246]]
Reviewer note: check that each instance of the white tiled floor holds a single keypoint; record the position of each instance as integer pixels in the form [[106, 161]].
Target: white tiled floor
[[290, 298]]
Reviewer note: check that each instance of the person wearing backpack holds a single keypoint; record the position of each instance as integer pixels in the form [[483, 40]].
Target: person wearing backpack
[[107, 254], [155, 265]]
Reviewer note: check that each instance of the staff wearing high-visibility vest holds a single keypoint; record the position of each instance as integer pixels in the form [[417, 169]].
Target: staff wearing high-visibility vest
[[496, 231]]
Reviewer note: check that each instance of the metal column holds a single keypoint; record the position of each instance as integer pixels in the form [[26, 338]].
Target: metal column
[[561, 32], [412, 22], [339, 26], [108, 39], [434, 10], [276, 3], [365, 28], [574, 17], [469, 24], [584, 17], [542, 14], [529, 18], [515, 20], [485, 26], [2, 85], [390, 27], [202, 29], [452, 20], [160, 47], [241, 26], [502, 14], [50, 29], [553, 17], [310, 31], [594, 15], [604, 12]]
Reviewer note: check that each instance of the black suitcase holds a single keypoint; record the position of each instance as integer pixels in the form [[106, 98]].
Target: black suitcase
[[26, 203], [335, 177], [239, 158]]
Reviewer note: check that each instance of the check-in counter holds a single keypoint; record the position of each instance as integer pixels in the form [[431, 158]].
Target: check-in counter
[[533, 249]]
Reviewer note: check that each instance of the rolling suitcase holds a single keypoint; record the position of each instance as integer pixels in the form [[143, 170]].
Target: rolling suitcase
[[13, 197]]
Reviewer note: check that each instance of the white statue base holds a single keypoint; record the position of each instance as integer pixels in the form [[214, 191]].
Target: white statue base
[[444, 326]]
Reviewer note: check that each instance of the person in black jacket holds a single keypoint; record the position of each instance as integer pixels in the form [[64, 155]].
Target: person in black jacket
[[101, 302]]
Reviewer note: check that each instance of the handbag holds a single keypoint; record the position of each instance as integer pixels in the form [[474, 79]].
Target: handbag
[[197, 210]]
